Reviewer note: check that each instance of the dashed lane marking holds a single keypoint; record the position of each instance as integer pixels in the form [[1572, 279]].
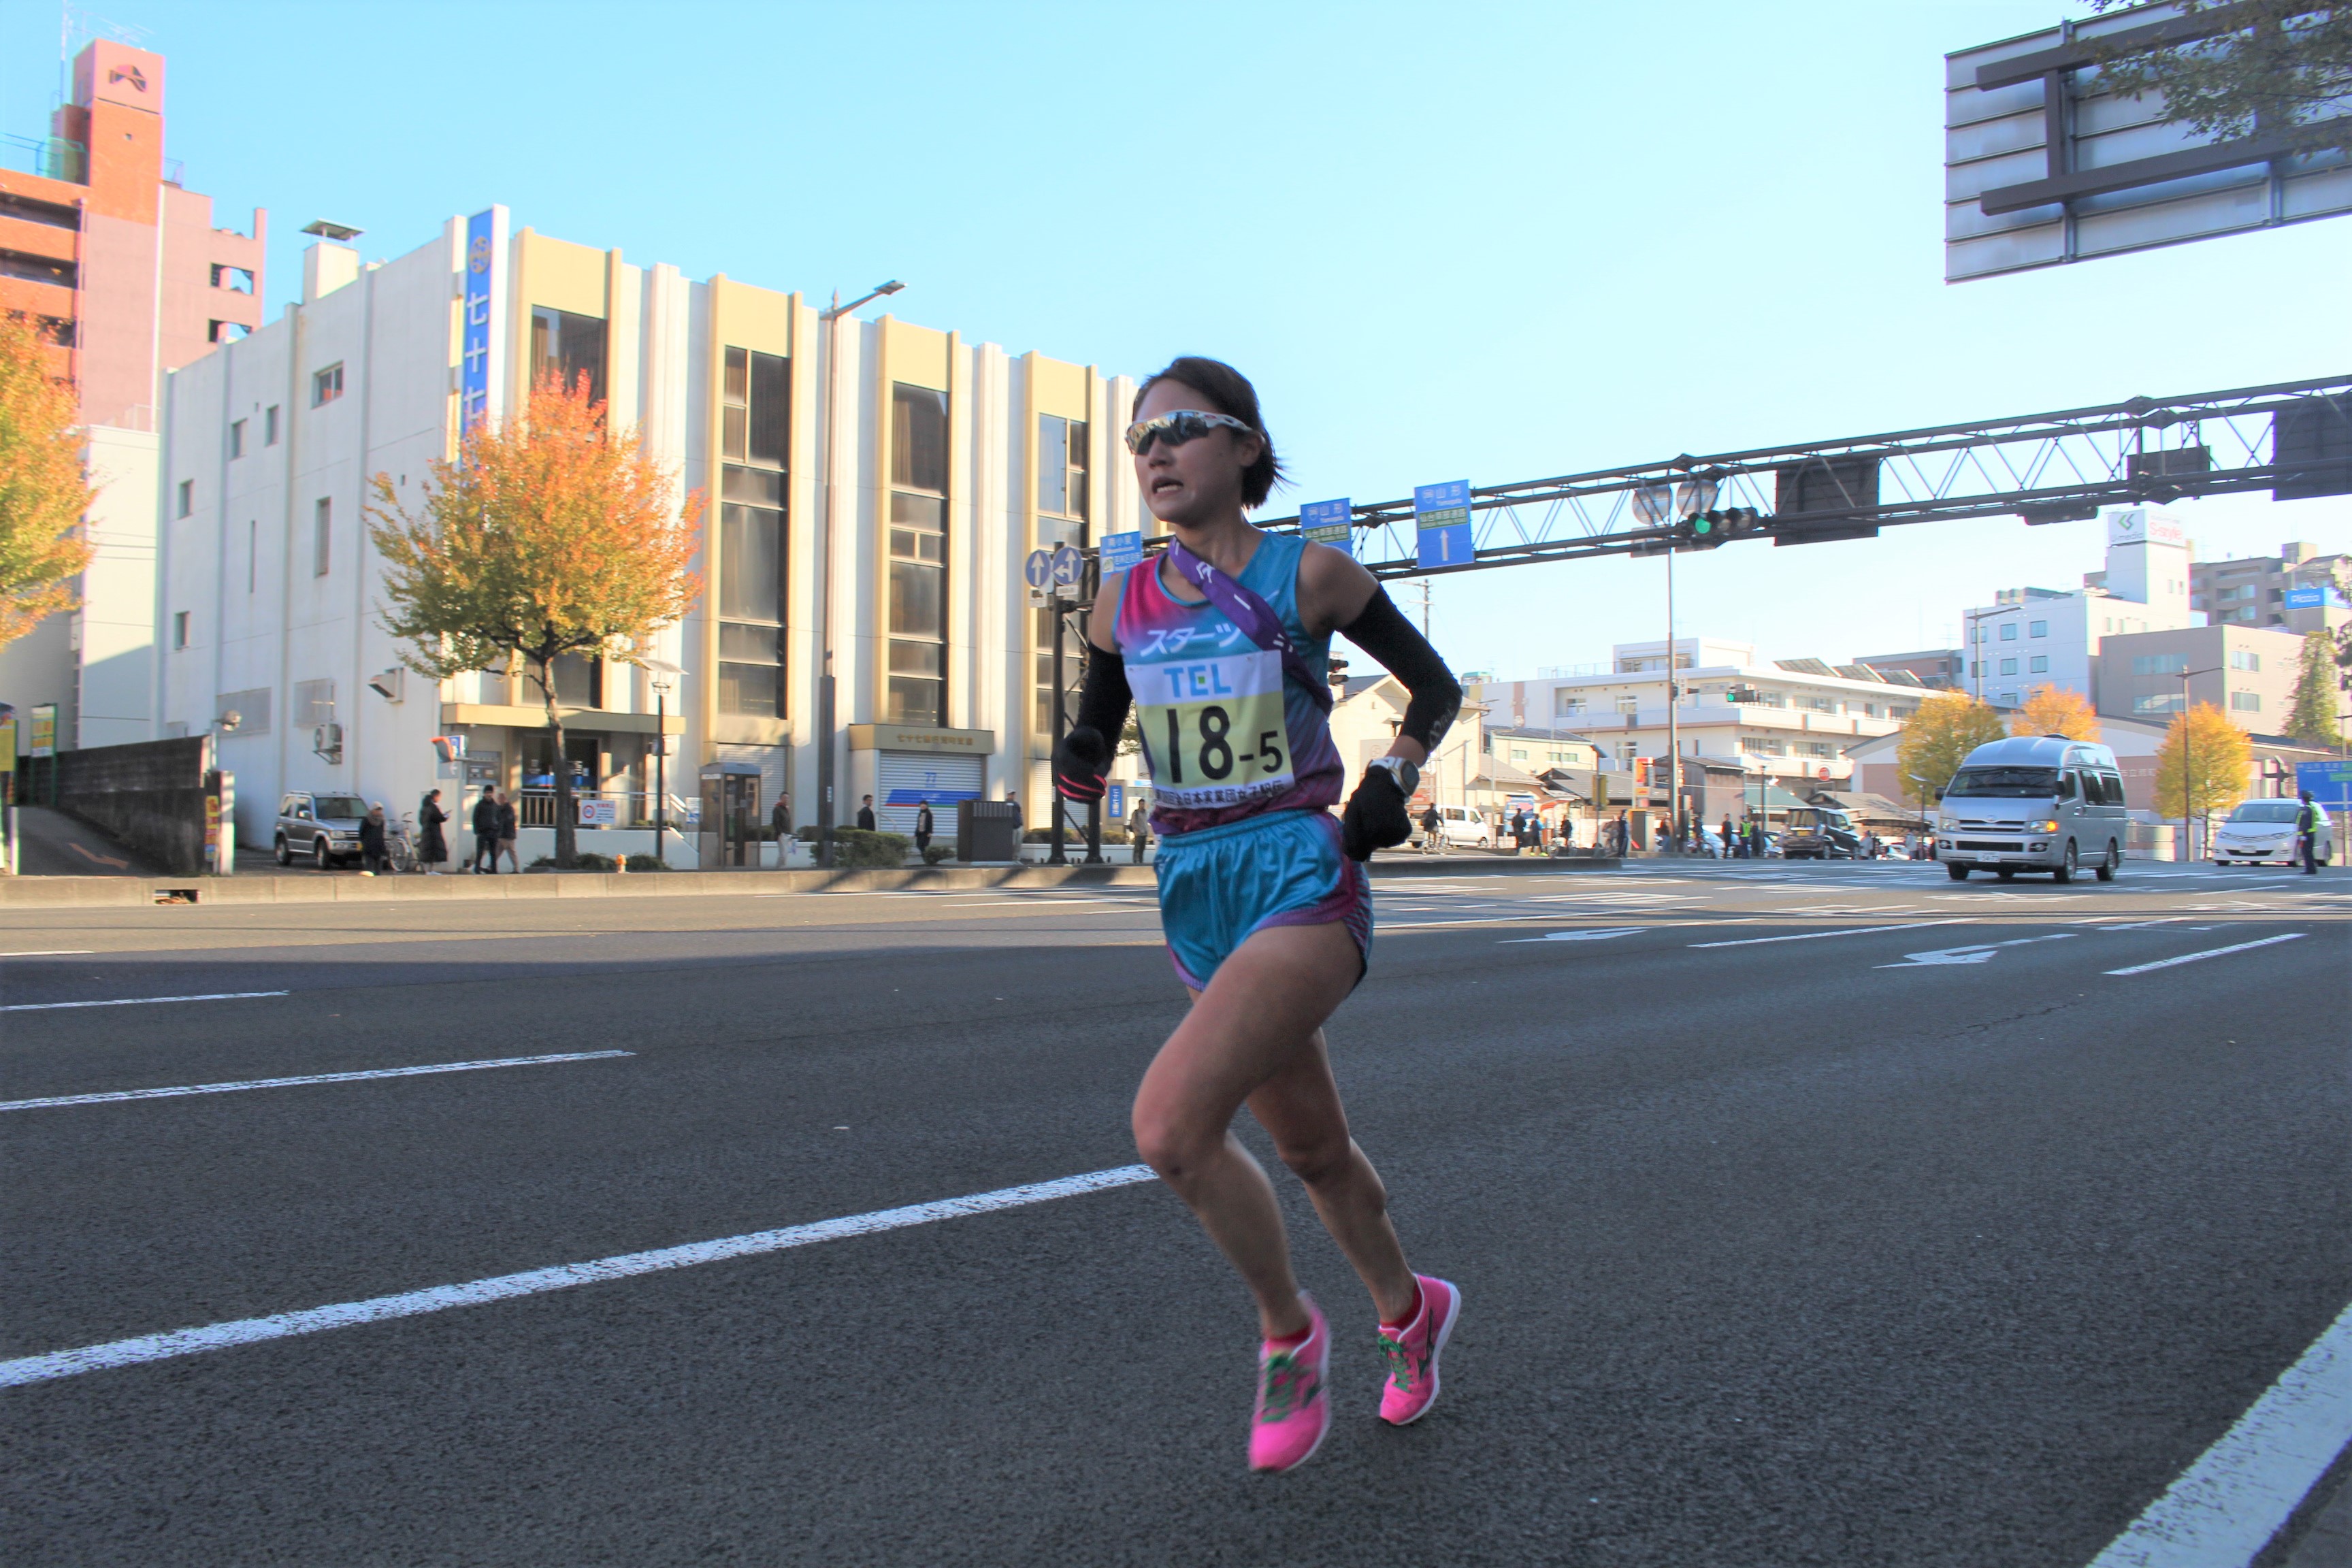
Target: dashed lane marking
[[2225, 1508], [2210, 953], [1818, 935], [53, 952], [140, 1001], [538, 1281], [1602, 935], [234, 1087]]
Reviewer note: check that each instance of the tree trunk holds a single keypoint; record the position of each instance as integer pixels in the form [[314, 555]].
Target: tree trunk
[[567, 825]]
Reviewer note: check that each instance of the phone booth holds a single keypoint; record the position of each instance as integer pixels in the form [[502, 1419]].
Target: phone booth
[[728, 837]]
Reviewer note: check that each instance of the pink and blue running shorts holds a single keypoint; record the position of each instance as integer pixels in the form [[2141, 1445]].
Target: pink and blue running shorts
[[1218, 885]]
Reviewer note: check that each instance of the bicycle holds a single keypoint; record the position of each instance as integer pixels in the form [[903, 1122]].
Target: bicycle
[[400, 845]]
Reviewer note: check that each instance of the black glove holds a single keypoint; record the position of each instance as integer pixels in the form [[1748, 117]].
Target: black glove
[[1079, 764], [1375, 817]]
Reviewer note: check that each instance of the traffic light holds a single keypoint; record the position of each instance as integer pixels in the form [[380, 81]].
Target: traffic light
[[1707, 530]]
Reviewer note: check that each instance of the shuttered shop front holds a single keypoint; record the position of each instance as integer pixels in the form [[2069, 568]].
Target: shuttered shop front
[[907, 779]]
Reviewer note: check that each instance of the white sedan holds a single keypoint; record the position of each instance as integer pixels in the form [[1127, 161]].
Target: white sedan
[[2260, 830]]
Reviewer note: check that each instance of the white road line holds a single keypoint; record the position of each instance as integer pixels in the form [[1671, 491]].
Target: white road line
[[505, 1287], [53, 952], [232, 1087], [2227, 1506], [2209, 952], [140, 1001], [1553, 936], [1817, 935]]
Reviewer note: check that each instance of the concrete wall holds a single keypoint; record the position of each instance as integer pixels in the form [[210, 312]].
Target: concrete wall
[[149, 794]]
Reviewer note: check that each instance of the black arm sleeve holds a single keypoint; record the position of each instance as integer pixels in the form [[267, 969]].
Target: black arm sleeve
[[1384, 633], [1105, 698]]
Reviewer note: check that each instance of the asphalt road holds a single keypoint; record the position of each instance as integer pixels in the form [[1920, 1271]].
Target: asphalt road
[[1929, 1239]]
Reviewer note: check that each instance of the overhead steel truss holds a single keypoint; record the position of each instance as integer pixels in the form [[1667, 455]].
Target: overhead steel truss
[[2292, 439]]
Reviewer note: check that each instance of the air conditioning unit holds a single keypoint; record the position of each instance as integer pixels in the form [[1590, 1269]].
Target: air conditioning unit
[[390, 684], [327, 739]]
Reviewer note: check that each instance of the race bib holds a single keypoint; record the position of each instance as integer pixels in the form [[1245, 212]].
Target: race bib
[[1213, 729]]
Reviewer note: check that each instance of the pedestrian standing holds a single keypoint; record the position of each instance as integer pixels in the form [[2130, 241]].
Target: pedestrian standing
[[779, 820], [923, 825], [432, 844], [2306, 829], [485, 831], [865, 815], [509, 827], [1138, 832], [373, 857], [1729, 848]]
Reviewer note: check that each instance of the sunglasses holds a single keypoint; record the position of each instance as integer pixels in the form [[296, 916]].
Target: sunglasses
[[1177, 428]]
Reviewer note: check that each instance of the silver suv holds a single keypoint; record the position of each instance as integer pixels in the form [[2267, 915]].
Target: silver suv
[[326, 827]]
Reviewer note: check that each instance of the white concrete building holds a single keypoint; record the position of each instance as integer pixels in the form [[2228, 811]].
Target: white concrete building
[[953, 460], [2032, 636]]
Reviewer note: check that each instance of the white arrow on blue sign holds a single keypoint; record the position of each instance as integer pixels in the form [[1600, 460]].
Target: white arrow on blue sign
[[1441, 515], [1039, 568], [1068, 565]]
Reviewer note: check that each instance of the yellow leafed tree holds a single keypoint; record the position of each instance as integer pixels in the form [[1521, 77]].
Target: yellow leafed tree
[[2201, 765], [2054, 710], [1938, 738], [551, 534], [43, 490]]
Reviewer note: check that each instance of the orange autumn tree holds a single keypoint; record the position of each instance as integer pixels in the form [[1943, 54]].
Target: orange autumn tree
[[551, 534], [2052, 711], [44, 490]]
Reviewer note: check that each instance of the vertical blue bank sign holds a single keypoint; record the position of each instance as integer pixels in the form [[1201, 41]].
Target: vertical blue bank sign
[[474, 378], [1441, 516]]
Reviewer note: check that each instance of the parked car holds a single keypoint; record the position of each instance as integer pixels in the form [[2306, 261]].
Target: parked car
[[1819, 833], [1460, 824], [2260, 830], [326, 827], [2034, 803]]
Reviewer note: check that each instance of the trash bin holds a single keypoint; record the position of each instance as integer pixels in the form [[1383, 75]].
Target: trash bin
[[988, 830]]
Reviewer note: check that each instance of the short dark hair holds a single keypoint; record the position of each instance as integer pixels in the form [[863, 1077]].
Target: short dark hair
[[1229, 391]]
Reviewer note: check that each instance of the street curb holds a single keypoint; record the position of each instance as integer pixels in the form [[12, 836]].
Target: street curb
[[131, 891]]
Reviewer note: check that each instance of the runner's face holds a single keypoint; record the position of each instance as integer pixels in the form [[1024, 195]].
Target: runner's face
[[1199, 482]]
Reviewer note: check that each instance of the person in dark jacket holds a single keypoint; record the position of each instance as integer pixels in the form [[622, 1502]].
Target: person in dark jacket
[[780, 820], [374, 856], [923, 826], [485, 831], [2306, 831], [510, 831], [865, 815], [432, 844]]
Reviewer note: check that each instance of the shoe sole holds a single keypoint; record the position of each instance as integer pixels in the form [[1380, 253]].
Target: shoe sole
[[1445, 1333]]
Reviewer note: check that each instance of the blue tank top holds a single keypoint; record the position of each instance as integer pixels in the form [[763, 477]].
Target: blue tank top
[[1227, 735]]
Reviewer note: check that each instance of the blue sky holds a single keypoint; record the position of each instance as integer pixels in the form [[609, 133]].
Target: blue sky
[[1496, 242]]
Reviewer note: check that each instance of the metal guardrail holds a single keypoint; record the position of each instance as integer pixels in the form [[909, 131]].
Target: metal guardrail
[[630, 808]]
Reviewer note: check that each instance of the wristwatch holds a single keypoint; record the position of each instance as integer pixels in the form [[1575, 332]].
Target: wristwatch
[[1406, 773]]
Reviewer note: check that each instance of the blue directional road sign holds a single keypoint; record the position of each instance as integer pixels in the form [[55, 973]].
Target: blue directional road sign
[[1441, 516], [1039, 568], [1327, 522], [2330, 784], [1122, 551], [1115, 802], [1069, 566]]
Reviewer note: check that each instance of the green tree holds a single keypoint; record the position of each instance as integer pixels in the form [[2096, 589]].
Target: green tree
[[551, 534], [2311, 715], [44, 489], [1938, 738], [2234, 68]]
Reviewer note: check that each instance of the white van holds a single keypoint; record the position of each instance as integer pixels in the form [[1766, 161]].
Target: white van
[[2033, 803], [1460, 824]]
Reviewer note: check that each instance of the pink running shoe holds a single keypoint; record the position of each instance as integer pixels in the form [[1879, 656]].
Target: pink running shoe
[[1292, 1413], [1412, 1354]]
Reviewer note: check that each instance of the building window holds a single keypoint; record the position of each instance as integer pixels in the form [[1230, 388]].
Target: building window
[[313, 703], [188, 498], [566, 346], [236, 438], [2009, 666], [754, 424], [2163, 703], [2245, 658], [1761, 746], [1629, 705], [1814, 749], [269, 426], [579, 681], [2038, 664], [1061, 481], [2160, 664], [327, 385], [180, 629], [322, 536], [252, 553], [917, 530], [2008, 631], [1565, 705], [2038, 630], [2246, 701]]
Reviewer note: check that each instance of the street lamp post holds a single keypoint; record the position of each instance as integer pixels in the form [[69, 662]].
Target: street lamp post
[[824, 693], [2188, 756], [663, 675]]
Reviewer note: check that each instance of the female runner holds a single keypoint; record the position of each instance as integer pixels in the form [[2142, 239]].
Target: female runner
[[1221, 642]]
